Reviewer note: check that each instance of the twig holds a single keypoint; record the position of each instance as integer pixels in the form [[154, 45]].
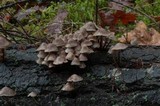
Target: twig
[[13, 4], [26, 34]]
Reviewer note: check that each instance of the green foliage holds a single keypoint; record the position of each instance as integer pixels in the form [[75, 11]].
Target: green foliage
[[152, 9], [79, 12]]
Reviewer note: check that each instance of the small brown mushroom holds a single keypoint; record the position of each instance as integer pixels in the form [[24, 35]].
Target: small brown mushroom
[[86, 43], [117, 47], [72, 43], [67, 50], [82, 57], [59, 60], [51, 48], [86, 49], [6, 91], [45, 62], [75, 61], [39, 61], [90, 27], [70, 56], [74, 78], [32, 94], [41, 54], [58, 42], [68, 87], [82, 65], [51, 57], [43, 46]]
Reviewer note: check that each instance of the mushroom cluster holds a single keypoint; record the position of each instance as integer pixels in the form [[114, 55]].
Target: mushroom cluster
[[74, 47]]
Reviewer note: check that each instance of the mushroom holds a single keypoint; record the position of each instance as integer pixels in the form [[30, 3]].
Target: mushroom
[[51, 48], [43, 46], [39, 61], [90, 27], [104, 37], [58, 42], [82, 65], [75, 61], [6, 91], [45, 62], [32, 94], [86, 43], [86, 49], [68, 87], [74, 78], [3, 45], [51, 57], [41, 54], [59, 60], [119, 46], [72, 43], [82, 57], [67, 50], [70, 56]]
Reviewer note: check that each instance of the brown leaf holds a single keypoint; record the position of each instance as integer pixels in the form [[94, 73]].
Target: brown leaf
[[124, 18], [141, 35]]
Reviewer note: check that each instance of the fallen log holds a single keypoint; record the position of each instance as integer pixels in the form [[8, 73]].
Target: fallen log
[[102, 83]]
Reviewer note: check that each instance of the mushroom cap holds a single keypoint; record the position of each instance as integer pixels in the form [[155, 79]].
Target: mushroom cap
[[103, 32], [68, 87], [92, 38], [32, 94], [75, 61], [82, 65], [90, 27], [82, 57], [86, 49], [51, 57], [67, 50], [41, 54], [72, 43], [6, 91], [59, 60], [45, 62], [86, 43], [80, 34], [58, 42], [74, 78], [70, 56], [39, 61], [118, 46], [43, 46], [51, 48]]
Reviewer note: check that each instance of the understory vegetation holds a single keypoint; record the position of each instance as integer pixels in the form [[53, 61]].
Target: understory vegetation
[[27, 22]]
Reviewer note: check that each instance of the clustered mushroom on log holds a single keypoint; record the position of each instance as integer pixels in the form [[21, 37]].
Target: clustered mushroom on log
[[74, 47]]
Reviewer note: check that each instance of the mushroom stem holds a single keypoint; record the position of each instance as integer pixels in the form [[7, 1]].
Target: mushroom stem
[[106, 44]]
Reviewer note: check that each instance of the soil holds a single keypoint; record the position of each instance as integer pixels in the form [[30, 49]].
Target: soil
[[124, 82]]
